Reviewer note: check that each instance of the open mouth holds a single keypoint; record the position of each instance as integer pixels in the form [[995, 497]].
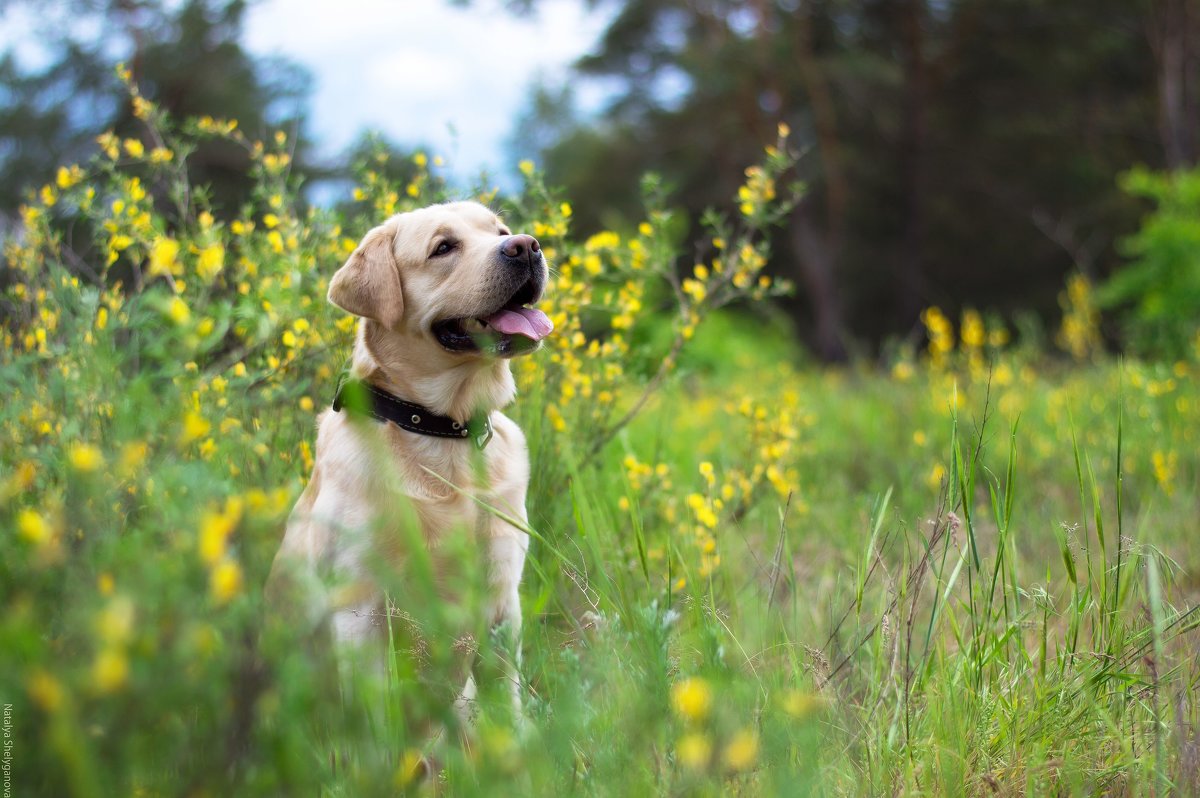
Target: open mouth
[[512, 329]]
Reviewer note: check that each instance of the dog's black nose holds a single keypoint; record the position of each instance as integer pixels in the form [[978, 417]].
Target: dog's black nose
[[521, 249]]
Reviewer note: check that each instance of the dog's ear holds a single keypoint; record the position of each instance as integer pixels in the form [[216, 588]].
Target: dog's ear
[[368, 284]]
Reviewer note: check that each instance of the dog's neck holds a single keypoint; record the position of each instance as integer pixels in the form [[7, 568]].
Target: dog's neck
[[455, 386]]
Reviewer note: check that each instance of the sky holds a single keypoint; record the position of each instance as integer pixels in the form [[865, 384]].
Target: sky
[[424, 72]]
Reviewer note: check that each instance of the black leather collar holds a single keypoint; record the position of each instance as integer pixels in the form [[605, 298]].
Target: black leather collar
[[360, 396]]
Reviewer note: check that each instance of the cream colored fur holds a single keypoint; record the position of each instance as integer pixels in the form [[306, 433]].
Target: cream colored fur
[[399, 290]]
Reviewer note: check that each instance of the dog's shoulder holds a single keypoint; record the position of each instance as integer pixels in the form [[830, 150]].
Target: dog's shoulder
[[507, 430], [507, 455]]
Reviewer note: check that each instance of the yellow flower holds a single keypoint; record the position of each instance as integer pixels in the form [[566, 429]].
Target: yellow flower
[[22, 477], [110, 671], [1164, 470], [215, 529], [799, 704], [162, 256], [692, 699], [306, 404], [33, 527], [742, 750], [132, 456], [195, 426], [114, 624], [694, 751], [212, 260], [411, 765], [142, 107], [108, 143], [526, 167], [178, 311], [972, 333], [225, 581], [85, 457], [134, 148], [45, 690], [556, 417], [275, 163], [68, 176]]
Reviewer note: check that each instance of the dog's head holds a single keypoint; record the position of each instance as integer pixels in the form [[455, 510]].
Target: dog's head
[[453, 275]]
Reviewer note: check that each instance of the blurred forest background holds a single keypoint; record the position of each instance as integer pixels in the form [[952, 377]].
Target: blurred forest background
[[957, 153]]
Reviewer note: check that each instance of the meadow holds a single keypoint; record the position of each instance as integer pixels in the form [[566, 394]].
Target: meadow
[[968, 567]]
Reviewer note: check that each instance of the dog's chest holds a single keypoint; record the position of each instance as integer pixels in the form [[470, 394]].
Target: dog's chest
[[444, 490]]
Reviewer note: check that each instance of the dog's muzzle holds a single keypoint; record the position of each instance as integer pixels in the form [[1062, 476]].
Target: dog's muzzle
[[511, 326]]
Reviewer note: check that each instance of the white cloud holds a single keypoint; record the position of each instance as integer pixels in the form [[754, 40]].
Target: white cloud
[[419, 69]]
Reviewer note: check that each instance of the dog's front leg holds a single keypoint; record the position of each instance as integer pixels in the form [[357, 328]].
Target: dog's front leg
[[506, 549]]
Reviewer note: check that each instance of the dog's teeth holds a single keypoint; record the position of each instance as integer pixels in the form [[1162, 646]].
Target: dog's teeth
[[473, 325]]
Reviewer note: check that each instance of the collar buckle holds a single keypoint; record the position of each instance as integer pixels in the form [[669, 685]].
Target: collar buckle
[[481, 432]]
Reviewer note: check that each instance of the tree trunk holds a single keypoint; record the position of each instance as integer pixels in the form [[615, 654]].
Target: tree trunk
[[1172, 24], [911, 294], [818, 250], [815, 269]]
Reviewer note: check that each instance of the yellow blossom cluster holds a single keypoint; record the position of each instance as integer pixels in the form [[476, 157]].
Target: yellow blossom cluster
[[602, 291], [763, 463], [1079, 332], [977, 343], [114, 628], [603, 294], [692, 701], [216, 527], [757, 192], [389, 186]]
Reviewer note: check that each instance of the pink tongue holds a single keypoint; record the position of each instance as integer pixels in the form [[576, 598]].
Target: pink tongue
[[529, 322]]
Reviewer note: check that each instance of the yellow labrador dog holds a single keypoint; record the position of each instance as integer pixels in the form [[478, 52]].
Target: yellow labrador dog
[[445, 295]]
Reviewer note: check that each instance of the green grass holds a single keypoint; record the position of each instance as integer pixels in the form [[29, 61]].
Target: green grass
[[773, 579]]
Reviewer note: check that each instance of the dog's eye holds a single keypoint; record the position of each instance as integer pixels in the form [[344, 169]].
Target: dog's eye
[[443, 248]]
